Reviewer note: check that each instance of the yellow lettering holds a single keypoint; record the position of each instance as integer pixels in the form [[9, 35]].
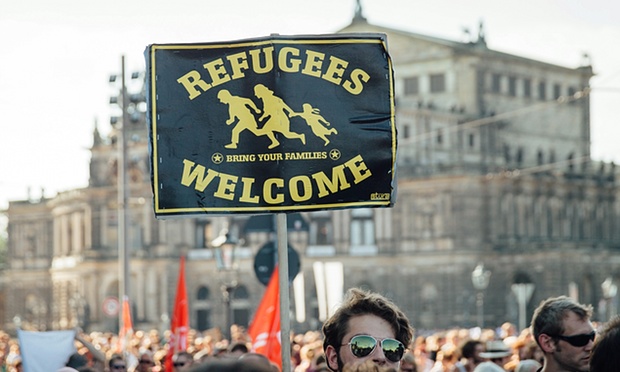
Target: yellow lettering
[[268, 192], [354, 86], [338, 181], [289, 60], [246, 195], [217, 72], [240, 158], [238, 63], [226, 187], [293, 66], [190, 81], [299, 188], [197, 174], [358, 168], [335, 70], [314, 61], [256, 67], [306, 188]]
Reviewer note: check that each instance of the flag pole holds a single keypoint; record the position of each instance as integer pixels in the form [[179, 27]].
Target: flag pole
[[285, 323]]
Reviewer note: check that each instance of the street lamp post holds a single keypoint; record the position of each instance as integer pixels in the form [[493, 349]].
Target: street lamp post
[[480, 279], [129, 105], [225, 246], [123, 192]]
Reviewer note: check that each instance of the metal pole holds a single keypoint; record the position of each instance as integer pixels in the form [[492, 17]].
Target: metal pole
[[480, 305], [285, 323], [522, 309], [123, 254], [227, 333]]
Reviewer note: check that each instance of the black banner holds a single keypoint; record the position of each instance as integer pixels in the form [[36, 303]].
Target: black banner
[[276, 124]]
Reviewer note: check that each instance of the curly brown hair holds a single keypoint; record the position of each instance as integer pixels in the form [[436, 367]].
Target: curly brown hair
[[359, 302]]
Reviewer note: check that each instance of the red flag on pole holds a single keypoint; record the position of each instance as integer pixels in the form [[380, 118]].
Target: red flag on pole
[[265, 328], [179, 324], [127, 326]]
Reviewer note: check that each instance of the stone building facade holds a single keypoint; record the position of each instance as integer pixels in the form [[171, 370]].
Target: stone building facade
[[494, 168]]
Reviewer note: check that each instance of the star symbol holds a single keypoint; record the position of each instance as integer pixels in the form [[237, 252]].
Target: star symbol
[[334, 154], [217, 158]]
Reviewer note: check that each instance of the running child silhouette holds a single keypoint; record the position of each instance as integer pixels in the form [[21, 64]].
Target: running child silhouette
[[316, 122]]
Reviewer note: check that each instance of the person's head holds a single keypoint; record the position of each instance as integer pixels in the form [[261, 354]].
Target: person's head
[[145, 362], [257, 360], [471, 350], [488, 367], [605, 353], [507, 330], [237, 349], [527, 365], [367, 326], [233, 365], [182, 361], [224, 96], [117, 363], [76, 360], [562, 328], [86, 369], [497, 352], [261, 91]]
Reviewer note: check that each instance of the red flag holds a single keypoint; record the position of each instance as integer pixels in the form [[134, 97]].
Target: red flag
[[265, 328], [179, 324], [127, 327]]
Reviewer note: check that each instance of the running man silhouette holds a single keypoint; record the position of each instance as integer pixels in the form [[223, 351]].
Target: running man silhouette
[[316, 122], [239, 108], [276, 109]]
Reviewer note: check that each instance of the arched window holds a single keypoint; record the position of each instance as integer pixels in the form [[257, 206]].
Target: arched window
[[203, 293]]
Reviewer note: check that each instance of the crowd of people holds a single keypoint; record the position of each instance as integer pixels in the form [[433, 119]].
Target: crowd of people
[[369, 333]]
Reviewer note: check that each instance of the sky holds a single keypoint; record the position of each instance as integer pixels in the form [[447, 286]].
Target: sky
[[57, 57]]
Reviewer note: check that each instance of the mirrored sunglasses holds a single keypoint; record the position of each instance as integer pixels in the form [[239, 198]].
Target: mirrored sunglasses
[[363, 345], [578, 340]]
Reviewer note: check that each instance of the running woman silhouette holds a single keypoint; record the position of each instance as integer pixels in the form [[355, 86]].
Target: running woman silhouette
[[278, 120]]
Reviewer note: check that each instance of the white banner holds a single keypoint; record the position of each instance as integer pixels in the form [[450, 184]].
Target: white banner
[[45, 351]]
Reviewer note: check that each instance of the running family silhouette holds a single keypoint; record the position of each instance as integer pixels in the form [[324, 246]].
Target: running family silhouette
[[276, 114]]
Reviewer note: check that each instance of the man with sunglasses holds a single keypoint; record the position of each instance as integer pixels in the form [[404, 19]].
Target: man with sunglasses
[[182, 361], [366, 327], [117, 363], [146, 362], [562, 329]]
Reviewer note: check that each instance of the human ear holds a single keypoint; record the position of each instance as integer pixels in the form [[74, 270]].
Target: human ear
[[331, 355], [546, 342]]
